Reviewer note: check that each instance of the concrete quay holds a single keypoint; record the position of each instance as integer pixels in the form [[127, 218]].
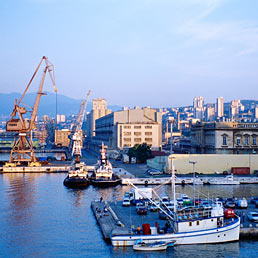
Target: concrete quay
[[106, 218], [40, 169]]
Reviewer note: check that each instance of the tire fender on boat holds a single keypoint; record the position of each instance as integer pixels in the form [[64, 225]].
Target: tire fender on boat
[[146, 182]]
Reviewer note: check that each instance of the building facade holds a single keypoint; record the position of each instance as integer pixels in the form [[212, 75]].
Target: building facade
[[62, 138], [99, 109], [124, 129], [220, 107], [224, 138]]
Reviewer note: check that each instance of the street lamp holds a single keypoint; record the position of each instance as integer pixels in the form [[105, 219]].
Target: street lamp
[[193, 162]]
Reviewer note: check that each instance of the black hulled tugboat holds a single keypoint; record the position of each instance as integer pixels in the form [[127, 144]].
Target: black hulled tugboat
[[78, 175], [103, 175]]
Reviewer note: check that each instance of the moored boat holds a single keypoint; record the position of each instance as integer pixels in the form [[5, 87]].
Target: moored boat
[[228, 180], [77, 177], [188, 225], [151, 246], [103, 174]]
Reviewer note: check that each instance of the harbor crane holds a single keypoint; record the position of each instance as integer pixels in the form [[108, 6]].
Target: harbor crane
[[22, 151], [76, 134]]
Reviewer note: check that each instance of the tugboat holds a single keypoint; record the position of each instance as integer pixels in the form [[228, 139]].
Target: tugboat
[[103, 175], [77, 177]]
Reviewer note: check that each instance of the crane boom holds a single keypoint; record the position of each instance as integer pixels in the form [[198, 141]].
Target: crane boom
[[23, 147], [76, 135]]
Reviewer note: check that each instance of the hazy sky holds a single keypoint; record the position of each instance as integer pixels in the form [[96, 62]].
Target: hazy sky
[[155, 53]]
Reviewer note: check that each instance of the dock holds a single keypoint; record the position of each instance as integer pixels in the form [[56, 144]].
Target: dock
[[124, 220], [106, 218], [38, 169]]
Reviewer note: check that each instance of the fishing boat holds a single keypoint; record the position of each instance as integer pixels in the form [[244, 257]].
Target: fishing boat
[[103, 174], [77, 176], [151, 246], [187, 225], [228, 180]]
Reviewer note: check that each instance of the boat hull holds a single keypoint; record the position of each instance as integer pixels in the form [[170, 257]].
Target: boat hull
[[76, 182], [150, 248], [223, 234], [105, 183]]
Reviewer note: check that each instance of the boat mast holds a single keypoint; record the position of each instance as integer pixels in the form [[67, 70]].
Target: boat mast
[[173, 183]]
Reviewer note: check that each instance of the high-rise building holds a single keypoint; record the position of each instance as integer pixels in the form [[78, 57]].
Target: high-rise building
[[209, 112], [220, 107], [198, 105], [99, 109], [198, 102], [256, 112], [234, 109]]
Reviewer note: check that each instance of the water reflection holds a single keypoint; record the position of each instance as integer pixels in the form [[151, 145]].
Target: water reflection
[[183, 251]]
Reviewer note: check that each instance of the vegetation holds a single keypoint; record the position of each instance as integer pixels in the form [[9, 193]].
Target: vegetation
[[141, 152]]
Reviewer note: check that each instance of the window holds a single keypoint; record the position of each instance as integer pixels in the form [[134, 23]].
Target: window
[[254, 139], [190, 223], [246, 139], [127, 133], [148, 139], [238, 140], [127, 139], [148, 133], [198, 223], [137, 133], [137, 127], [148, 127], [224, 140], [127, 127], [137, 139]]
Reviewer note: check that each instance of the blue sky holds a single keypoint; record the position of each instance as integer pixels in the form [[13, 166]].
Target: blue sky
[[156, 53]]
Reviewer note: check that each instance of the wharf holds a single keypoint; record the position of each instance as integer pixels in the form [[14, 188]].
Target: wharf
[[39, 169], [106, 218], [124, 220], [182, 180]]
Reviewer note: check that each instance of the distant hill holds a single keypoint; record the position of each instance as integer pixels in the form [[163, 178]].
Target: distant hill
[[47, 106]]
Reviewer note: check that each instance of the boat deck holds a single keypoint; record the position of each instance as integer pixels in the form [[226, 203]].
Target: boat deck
[[127, 220]]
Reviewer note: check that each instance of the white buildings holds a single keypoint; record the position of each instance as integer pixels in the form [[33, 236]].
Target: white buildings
[[124, 129], [220, 107], [99, 109]]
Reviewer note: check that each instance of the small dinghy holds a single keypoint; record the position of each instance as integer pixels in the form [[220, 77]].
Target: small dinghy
[[153, 246]]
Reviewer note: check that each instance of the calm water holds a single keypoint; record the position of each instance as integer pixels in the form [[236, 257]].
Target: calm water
[[39, 217]]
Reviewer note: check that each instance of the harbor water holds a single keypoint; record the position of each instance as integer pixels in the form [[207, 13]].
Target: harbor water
[[39, 217]]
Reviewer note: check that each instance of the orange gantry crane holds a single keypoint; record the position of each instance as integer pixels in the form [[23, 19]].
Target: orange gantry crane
[[22, 151]]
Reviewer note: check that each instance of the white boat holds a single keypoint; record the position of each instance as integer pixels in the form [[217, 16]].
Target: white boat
[[189, 225], [77, 176], [103, 173], [153, 246], [228, 180]]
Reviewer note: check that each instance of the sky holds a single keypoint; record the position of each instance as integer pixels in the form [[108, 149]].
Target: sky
[[158, 53]]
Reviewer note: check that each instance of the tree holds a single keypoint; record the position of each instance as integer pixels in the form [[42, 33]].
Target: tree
[[142, 152]]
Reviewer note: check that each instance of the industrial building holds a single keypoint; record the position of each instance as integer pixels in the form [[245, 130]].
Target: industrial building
[[125, 128]]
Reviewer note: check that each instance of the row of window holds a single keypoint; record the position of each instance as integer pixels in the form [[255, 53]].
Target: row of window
[[138, 139], [137, 127], [137, 133], [238, 140]]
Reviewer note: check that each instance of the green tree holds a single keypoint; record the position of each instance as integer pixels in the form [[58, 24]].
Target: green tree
[[142, 152]]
